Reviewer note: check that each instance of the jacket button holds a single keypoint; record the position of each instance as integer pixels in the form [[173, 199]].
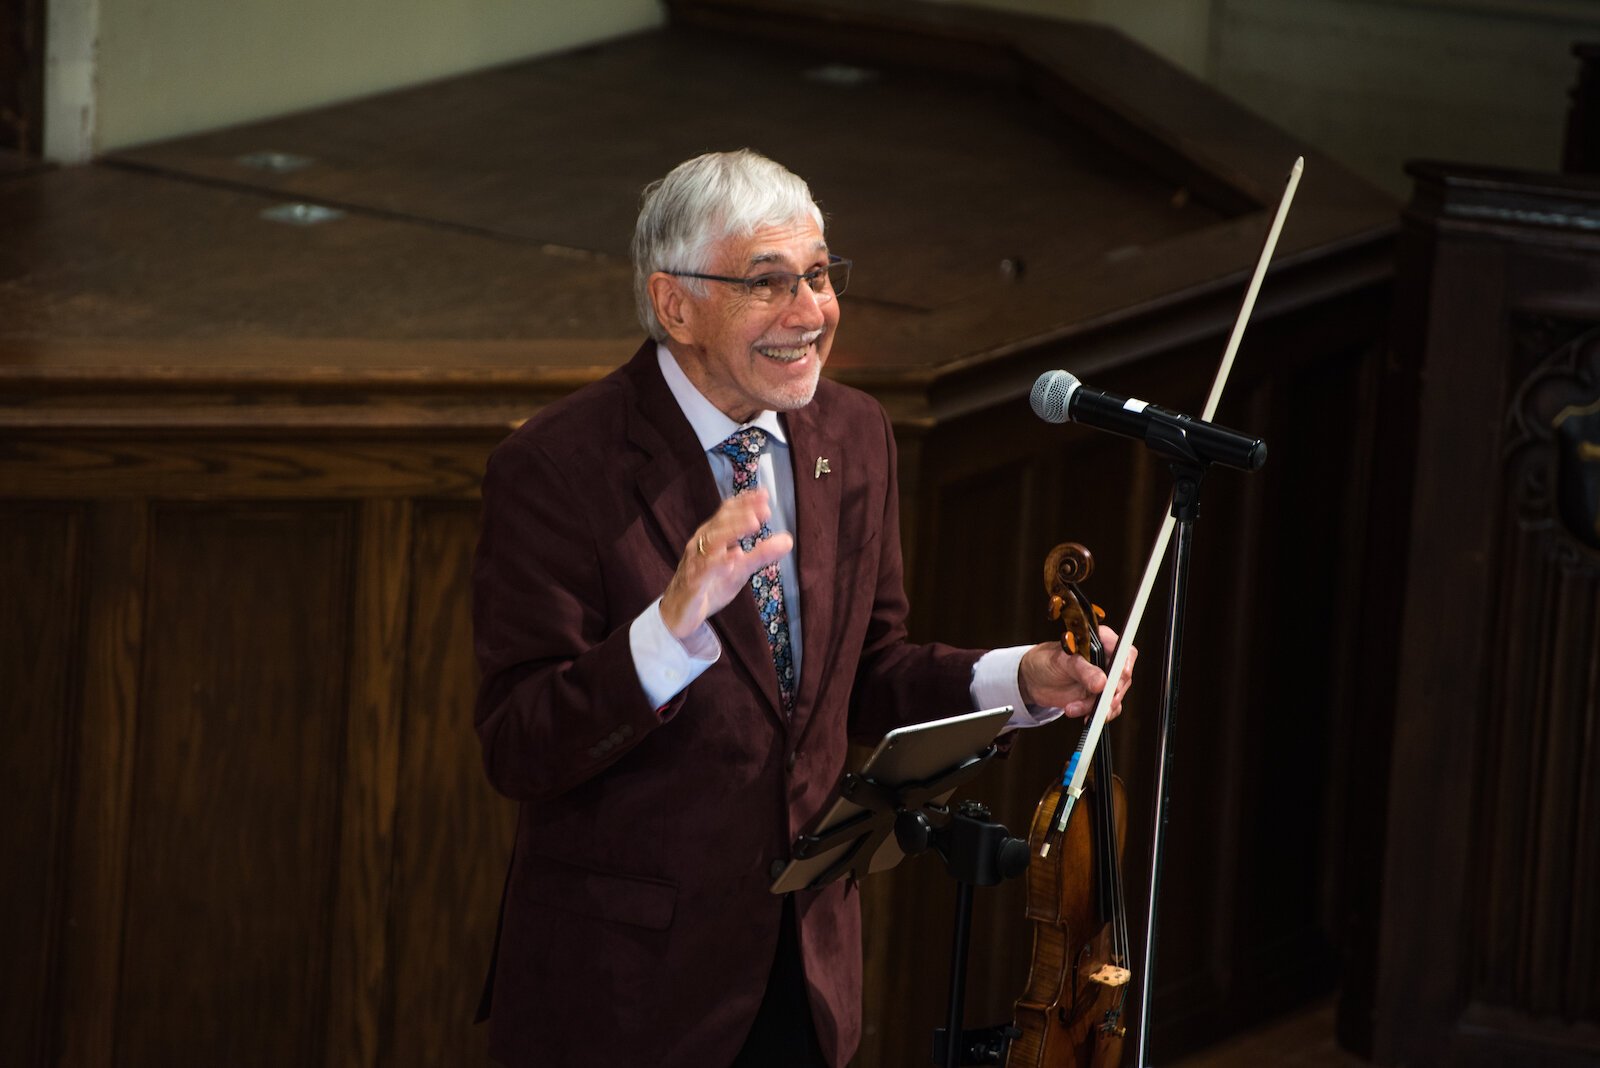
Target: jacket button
[[777, 868]]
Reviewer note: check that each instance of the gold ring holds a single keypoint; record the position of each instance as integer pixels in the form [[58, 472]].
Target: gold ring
[[700, 544]]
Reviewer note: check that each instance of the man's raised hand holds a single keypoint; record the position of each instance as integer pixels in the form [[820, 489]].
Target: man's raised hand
[[715, 568]]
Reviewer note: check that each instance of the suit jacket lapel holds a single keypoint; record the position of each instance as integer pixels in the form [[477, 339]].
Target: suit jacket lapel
[[816, 497], [677, 489]]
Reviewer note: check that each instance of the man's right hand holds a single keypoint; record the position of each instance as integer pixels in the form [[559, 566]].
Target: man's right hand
[[714, 569]]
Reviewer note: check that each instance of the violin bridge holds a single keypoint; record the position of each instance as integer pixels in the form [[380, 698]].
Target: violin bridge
[[1111, 975]]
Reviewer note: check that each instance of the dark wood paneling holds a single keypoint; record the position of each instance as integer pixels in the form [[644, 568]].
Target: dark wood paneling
[[22, 76], [118, 544], [1484, 916], [235, 813], [1279, 588], [1580, 152], [14, 165], [453, 836], [378, 665], [40, 636], [1536, 929], [107, 469]]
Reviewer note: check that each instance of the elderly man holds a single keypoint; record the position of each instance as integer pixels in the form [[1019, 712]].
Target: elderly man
[[688, 595]]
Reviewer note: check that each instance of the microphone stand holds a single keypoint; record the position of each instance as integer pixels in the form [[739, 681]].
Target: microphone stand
[[1187, 471]]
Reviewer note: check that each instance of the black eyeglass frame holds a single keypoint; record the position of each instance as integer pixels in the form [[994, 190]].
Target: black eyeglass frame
[[795, 279]]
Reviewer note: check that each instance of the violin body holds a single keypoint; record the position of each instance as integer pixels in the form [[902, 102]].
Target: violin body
[[1068, 1012]]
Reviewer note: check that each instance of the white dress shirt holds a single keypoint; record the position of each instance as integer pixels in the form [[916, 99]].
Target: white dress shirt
[[666, 665]]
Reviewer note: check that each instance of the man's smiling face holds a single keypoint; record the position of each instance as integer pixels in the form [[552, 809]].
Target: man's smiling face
[[746, 355]]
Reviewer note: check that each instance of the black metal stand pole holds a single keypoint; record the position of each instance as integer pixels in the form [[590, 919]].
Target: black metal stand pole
[[958, 976], [976, 852], [1185, 509]]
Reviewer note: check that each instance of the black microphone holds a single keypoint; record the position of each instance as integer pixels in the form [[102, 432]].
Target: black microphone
[[1058, 396]]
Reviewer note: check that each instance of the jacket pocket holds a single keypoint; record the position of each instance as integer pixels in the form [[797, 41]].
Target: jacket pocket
[[636, 900]]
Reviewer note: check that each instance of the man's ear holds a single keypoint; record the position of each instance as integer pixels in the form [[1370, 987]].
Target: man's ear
[[674, 309]]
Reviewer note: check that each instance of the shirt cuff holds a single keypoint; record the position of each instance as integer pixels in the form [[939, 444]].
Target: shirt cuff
[[994, 683], [665, 665]]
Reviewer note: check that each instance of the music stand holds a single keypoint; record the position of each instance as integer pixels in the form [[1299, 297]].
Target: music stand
[[881, 814], [913, 767]]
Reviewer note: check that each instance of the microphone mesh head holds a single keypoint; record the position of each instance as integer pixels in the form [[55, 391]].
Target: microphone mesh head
[[1051, 392]]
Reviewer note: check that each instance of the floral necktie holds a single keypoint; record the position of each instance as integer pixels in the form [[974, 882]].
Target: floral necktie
[[744, 448]]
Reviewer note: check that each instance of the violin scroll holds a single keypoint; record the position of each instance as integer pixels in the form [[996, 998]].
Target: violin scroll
[[1067, 565]]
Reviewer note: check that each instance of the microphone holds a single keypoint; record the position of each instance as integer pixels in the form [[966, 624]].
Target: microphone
[[1058, 396]]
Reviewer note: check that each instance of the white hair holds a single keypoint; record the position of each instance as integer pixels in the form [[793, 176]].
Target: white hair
[[702, 202]]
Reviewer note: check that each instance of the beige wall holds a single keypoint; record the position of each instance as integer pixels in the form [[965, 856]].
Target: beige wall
[[167, 67], [1376, 82]]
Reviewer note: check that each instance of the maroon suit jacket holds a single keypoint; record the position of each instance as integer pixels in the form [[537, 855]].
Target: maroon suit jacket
[[637, 928]]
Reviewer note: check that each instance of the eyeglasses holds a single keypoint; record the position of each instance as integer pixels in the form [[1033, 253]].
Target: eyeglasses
[[826, 282]]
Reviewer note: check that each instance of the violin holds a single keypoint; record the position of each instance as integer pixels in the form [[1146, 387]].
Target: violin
[[1070, 1012]]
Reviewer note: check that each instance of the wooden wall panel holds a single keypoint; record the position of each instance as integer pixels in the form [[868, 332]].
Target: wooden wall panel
[[378, 663], [1279, 588], [22, 67], [1486, 910], [258, 468], [40, 636], [1536, 944], [96, 887], [231, 865], [454, 833]]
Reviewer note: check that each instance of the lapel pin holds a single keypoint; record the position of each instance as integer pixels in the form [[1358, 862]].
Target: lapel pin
[[822, 467]]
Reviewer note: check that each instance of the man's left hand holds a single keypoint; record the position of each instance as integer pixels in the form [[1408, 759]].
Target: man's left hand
[[1052, 677]]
